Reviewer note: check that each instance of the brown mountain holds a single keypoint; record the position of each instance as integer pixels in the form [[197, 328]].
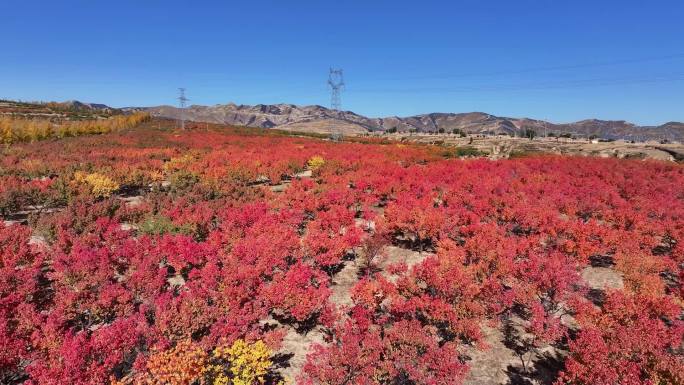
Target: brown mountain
[[321, 119], [282, 116]]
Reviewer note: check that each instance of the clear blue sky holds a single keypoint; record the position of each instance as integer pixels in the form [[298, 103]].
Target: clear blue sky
[[559, 60]]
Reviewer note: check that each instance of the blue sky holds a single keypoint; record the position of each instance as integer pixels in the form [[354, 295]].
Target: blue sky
[[557, 60]]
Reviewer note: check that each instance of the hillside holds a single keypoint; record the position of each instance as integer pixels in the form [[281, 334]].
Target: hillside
[[317, 119], [69, 110], [285, 116]]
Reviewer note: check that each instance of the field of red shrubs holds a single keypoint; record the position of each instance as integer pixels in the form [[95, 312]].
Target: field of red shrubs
[[188, 257]]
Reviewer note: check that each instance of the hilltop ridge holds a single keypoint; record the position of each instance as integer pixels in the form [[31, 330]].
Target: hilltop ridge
[[317, 118]]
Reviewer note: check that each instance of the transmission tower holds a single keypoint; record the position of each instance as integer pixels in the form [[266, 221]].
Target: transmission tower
[[336, 83], [181, 105]]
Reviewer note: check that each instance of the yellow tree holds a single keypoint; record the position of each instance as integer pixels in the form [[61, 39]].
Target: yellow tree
[[6, 130], [30, 131]]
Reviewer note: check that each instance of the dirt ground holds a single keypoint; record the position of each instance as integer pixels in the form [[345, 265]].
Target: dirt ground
[[505, 360], [499, 147]]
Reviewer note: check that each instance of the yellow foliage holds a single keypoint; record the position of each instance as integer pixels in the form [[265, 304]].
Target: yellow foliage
[[315, 162], [249, 363], [6, 135], [187, 363], [178, 163], [156, 176], [100, 185], [14, 130]]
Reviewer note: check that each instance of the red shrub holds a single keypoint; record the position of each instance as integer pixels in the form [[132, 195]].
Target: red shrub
[[632, 341], [300, 293]]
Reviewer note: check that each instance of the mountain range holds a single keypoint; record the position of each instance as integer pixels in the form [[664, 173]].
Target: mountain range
[[324, 120]]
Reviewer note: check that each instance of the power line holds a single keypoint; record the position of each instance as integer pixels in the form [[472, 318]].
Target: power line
[[563, 84], [300, 87], [542, 69], [581, 83]]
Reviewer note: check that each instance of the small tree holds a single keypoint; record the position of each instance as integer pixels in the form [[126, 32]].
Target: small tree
[[6, 130], [529, 133]]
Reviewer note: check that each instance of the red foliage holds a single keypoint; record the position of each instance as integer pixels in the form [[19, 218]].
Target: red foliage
[[300, 293], [406, 352], [632, 340], [20, 294], [331, 235], [225, 253]]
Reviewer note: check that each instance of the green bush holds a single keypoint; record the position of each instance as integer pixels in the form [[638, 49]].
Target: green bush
[[159, 225], [468, 151], [182, 181], [519, 154], [464, 151]]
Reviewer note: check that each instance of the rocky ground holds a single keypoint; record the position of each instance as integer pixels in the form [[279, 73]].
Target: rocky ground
[[498, 147]]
